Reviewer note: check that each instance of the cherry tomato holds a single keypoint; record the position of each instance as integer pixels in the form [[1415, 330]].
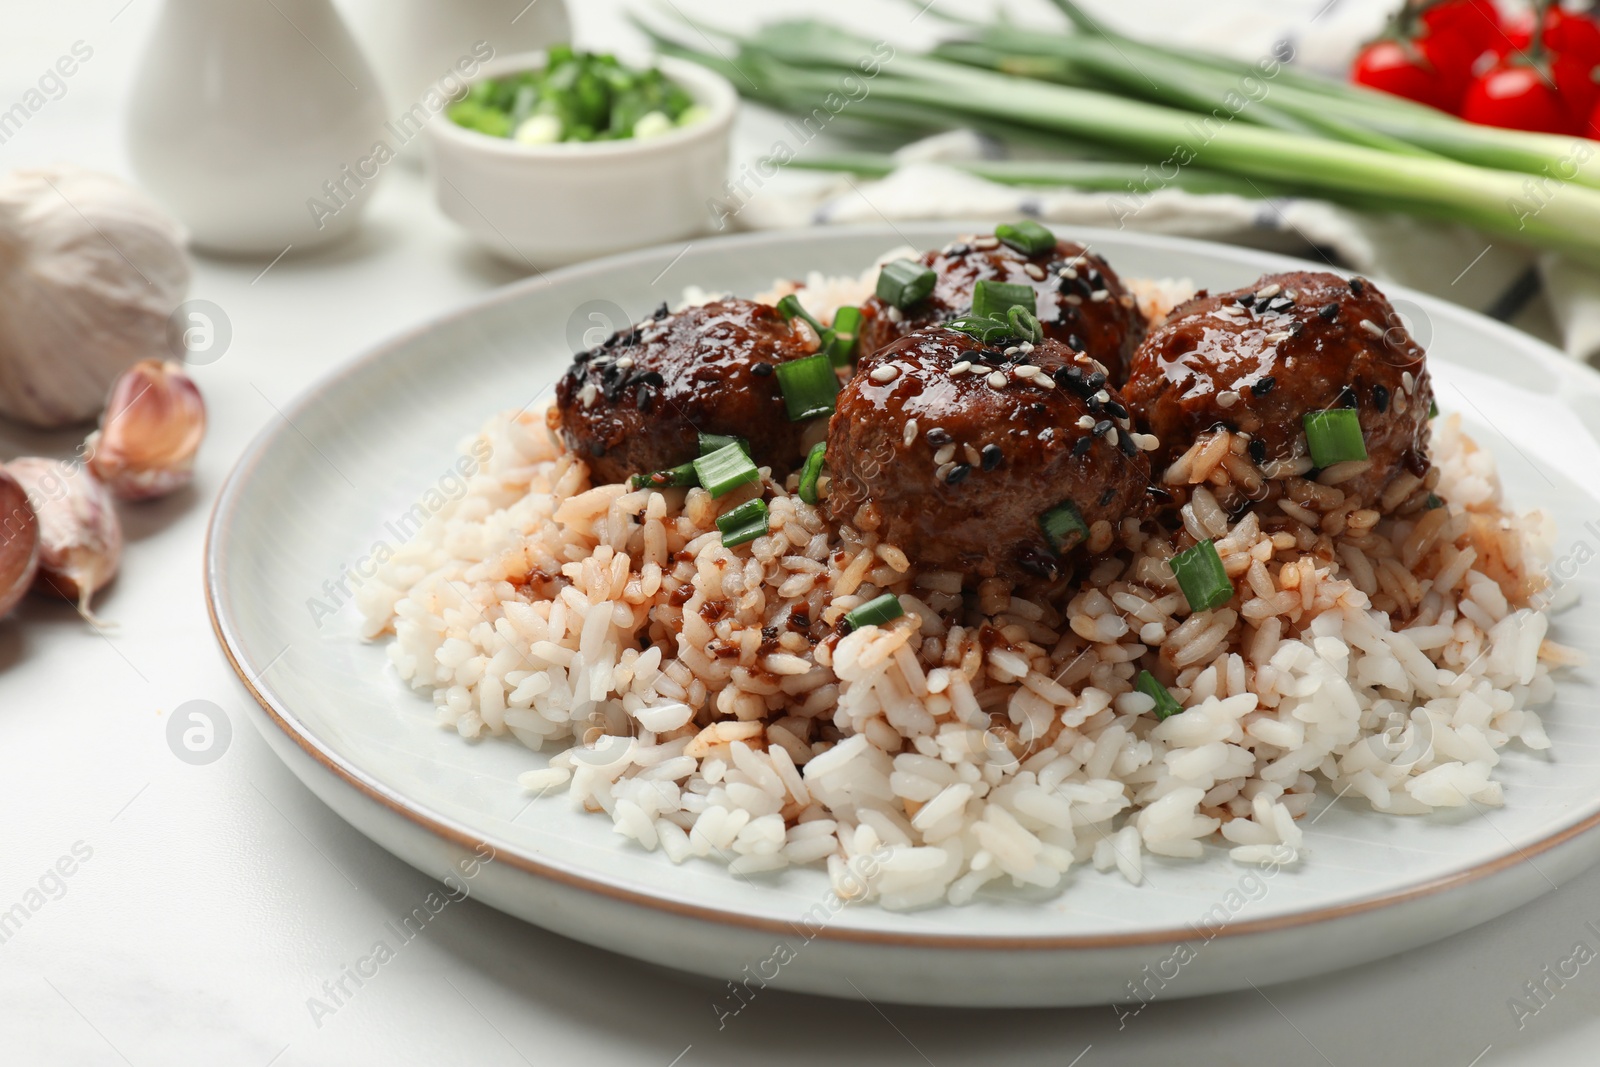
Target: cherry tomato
[[1574, 44], [1400, 69], [1477, 21], [1517, 97], [1593, 131]]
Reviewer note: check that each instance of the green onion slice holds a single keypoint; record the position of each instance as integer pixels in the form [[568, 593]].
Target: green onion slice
[[846, 327], [812, 471], [1027, 236], [1025, 324], [1334, 436], [1166, 704], [873, 612], [726, 468], [1433, 408], [809, 386], [1201, 576], [902, 282], [1434, 501], [789, 307], [1063, 526], [710, 442], [744, 523], [670, 478], [992, 299]]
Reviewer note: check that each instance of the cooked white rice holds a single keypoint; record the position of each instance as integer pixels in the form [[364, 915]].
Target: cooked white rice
[[1391, 657]]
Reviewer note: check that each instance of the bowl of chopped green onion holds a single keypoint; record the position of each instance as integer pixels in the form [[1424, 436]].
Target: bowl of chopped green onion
[[559, 156]]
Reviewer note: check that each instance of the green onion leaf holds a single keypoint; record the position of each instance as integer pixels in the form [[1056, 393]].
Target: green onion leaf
[[1334, 436], [1433, 408], [726, 468], [874, 612], [809, 386], [744, 523], [811, 471], [846, 327], [1434, 501], [710, 442], [1063, 526], [1166, 704], [902, 282], [789, 307], [1025, 324], [1027, 237], [992, 299], [667, 479], [1201, 576]]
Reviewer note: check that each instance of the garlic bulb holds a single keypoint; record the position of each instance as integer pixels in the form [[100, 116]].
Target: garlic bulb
[[80, 537], [90, 270], [150, 432], [19, 542]]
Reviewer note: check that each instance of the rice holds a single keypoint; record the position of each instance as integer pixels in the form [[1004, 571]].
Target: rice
[[1391, 654]]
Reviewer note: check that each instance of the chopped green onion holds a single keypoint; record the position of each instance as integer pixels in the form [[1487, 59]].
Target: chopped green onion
[[1166, 704], [1063, 526], [744, 523], [790, 308], [992, 299], [1025, 324], [1027, 236], [876, 611], [1201, 576], [811, 471], [846, 327], [710, 442], [726, 468], [1434, 501], [1433, 408], [809, 386], [670, 478], [1334, 436], [902, 282]]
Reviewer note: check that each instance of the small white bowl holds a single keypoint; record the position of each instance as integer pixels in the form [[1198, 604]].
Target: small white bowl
[[548, 205]]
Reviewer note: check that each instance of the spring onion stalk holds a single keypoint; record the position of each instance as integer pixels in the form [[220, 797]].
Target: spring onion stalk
[[1334, 436], [1201, 576], [1166, 704], [1027, 237], [902, 282], [1063, 526], [744, 523], [809, 386], [672, 477], [846, 327], [711, 442], [1089, 175], [725, 469], [992, 299], [790, 308], [812, 471], [875, 612]]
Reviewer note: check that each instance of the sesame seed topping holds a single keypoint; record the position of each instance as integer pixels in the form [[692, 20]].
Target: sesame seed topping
[[1102, 396], [885, 374], [997, 380], [1147, 442], [1028, 370], [1380, 398], [991, 457], [1044, 381], [1227, 398], [1263, 386], [1034, 271], [625, 363], [1328, 312], [1085, 422], [1069, 273], [962, 367], [943, 471], [1073, 298], [1408, 381], [1111, 435], [1281, 335], [893, 314], [1257, 449], [1083, 445], [911, 432], [762, 370], [1267, 292], [971, 455], [1026, 347], [1371, 327], [1099, 296], [938, 436], [1102, 427], [1012, 351], [986, 244], [957, 473], [945, 454], [587, 395]]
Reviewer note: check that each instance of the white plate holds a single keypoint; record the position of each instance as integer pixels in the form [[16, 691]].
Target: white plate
[[314, 492]]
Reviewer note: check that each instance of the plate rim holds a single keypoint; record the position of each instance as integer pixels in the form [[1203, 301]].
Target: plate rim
[[449, 829]]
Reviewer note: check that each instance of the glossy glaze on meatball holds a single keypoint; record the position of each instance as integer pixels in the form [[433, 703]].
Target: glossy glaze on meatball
[[1081, 301], [638, 402], [1258, 359], [953, 451]]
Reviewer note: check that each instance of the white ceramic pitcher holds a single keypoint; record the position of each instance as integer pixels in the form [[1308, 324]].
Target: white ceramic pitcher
[[258, 123]]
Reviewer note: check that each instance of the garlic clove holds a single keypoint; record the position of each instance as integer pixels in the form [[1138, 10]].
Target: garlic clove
[[19, 542], [80, 537], [150, 432]]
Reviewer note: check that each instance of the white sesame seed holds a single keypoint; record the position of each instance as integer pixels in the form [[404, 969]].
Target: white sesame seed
[[1034, 271], [885, 374], [625, 363], [1281, 335], [1111, 437], [1078, 260], [1267, 292], [1074, 299], [973, 457], [1085, 422], [997, 380], [1044, 381], [1102, 396], [1147, 442], [893, 314], [911, 432], [1099, 295], [1013, 350], [1408, 381], [1026, 346], [986, 244], [587, 394], [1227, 399], [962, 367], [945, 454], [1068, 273], [943, 471], [1400, 405], [1371, 327], [1028, 370]]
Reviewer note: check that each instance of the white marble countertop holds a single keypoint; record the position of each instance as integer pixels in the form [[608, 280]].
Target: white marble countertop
[[208, 904]]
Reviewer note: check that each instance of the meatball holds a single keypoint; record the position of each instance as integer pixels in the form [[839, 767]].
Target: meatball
[[1257, 360], [954, 452], [638, 402], [1081, 302]]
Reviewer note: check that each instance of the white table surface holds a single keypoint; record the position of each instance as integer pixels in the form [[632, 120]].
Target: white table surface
[[218, 899]]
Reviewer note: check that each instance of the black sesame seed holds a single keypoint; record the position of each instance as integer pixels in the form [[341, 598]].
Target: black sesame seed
[[1125, 442], [1282, 303], [598, 449], [762, 370], [958, 473], [651, 377], [660, 312], [1347, 397], [1328, 312], [1263, 386], [988, 355], [958, 249], [1102, 427], [1074, 342], [1247, 300], [992, 457], [1257, 449], [583, 357], [1070, 378], [611, 342], [1116, 409], [937, 437], [645, 399], [1355, 286], [1380, 398], [1033, 560], [1296, 328], [1082, 446], [1096, 381]]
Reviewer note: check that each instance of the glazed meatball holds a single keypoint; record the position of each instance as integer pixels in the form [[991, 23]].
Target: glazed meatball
[[1081, 302], [638, 402], [1257, 360], [953, 451]]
